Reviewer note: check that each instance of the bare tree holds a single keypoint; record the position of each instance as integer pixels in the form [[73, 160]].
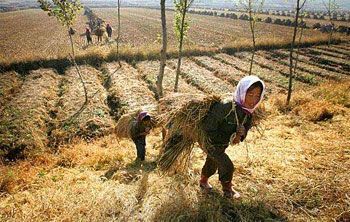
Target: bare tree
[[181, 28], [292, 45], [163, 50], [331, 7], [301, 27], [252, 7], [118, 32]]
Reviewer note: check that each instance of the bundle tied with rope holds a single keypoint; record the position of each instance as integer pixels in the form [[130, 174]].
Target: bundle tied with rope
[[184, 129]]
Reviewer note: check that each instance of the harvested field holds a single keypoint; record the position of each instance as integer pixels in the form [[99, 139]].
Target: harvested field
[[94, 120], [266, 73], [144, 24], [342, 64], [329, 52], [304, 67], [10, 83], [37, 36], [283, 68], [293, 166], [333, 71], [25, 120], [345, 52], [223, 71], [312, 188], [127, 85], [343, 49], [202, 78], [149, 71]]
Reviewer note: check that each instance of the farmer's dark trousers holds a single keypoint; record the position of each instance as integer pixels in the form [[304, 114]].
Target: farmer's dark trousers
[[140, 143], [218, 160]]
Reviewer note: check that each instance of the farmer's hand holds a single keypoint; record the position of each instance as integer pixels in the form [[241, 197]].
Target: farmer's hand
[[240, 131], [236, 140]]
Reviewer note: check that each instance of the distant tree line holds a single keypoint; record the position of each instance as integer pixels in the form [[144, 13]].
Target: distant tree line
[[277, 21]]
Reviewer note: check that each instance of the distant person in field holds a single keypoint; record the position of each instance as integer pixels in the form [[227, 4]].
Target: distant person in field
[[109, 31], [99, 32], [88, 36], [139, 130], [228, 123]]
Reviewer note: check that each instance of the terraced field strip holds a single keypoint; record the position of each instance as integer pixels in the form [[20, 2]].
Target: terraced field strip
[[25, 120], [336, 49], [302, 75], [304, 67], [324, 51], [221, 70], [94, 120], [10, 83], [308, 60], [273, 79], [128, 86], [202, 78], [329, 60], [346, 45], [149, 71]]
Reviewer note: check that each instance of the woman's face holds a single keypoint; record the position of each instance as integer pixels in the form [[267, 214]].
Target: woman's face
[[252, 97]]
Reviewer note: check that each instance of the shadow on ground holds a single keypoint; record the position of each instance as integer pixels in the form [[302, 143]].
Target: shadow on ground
[[214, 207]]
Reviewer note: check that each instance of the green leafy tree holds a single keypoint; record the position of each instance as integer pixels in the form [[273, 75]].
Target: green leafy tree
[[181, 26]]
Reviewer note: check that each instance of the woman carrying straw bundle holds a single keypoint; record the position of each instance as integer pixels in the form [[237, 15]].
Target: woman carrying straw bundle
[[218, 125], [140, 128]]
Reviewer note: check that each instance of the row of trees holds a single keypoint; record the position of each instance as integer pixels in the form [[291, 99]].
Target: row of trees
[[66, 10], [336, 16]]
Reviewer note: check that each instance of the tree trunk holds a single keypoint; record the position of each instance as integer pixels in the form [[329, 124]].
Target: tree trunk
[[178, 70], [77, 68], [252, 29], [118, 37], [163, 51], [298, 49], [290, 84]]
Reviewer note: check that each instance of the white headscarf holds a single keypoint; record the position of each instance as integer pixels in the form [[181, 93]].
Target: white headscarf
[[242, 88]]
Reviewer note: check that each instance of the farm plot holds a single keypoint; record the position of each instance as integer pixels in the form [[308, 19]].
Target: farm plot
[[336, 49], [277, 82], [26, 119], [323, 51], [128, 88], [329, 60], [303, 67], [327, 69], [283, 68], [221, 70], [93, 120], [10, 83], [141, 27], [203, 79], [30, 34], [149, 71]]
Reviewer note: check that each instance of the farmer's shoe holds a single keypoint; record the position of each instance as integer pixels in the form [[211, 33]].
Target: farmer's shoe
[[204, 184], [228, 191]]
